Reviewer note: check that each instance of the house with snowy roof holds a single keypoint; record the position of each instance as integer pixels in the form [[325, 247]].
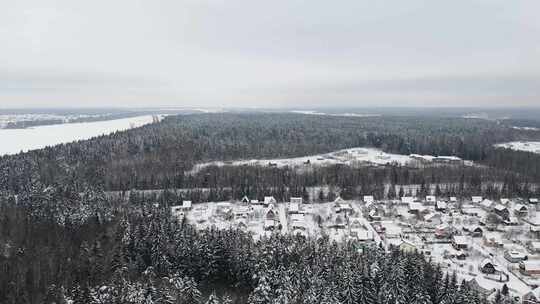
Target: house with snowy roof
[[504, 201], [296, 200], [297, 221], [532, 297], [374, 215], [534, 246], [241, 212], [339, 200], [476, 199], [408, 199], [392, 232], [441, 206], [442, 231], [460, 242], [293, 208], [416, 208], [270, 214], [483, 287], [501, 211], [355, 223], [454, 160], [186, 205], [511, 221], [514, 256], [368, 199], [474, 231], [487, 266], [492, 240], [362, 235], [487, 204], [269, 200], [520, 210], [407, 246], [530, 268], [343, 207]]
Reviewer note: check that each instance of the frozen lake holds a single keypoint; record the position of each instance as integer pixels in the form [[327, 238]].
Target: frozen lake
[[16, 140]]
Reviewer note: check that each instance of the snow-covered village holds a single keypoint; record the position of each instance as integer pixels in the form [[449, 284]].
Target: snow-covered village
[[270, 152], [493, 245]]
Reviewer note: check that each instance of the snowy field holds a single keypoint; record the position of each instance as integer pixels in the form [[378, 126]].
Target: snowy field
[[17, 140], [338, 114], [352, 157], [528, 146]]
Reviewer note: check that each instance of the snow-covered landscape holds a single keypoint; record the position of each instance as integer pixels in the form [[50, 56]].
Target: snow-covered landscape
[[487, 243], [351, 157], [527, 146], [17, 140]]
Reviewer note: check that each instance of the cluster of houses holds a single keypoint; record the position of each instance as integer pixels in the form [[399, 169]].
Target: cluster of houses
[[466, 228]]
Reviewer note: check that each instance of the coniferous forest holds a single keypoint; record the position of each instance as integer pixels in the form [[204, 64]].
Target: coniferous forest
[[76, 225]]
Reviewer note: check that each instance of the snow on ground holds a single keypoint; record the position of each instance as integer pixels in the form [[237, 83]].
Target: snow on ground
[[352, 157], [17, 140], [310, 112], [399, 225], [526, 128], [528, 146]]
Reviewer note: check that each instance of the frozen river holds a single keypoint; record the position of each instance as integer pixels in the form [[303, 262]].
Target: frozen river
[[13, 141]]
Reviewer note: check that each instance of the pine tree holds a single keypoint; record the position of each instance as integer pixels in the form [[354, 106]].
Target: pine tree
[[190, 292], [349, 292], [262, 293], [212, 299]]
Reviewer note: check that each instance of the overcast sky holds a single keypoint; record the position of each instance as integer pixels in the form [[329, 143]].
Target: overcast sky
[[221, 53]]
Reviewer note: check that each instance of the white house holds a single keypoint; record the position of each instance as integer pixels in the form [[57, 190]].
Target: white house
[[241, 212], [298, 221], [269, 200], [460, 242], [431, 199], [416, 207], [369, 199], [293, 208], [440, 206], [477, 199], [520, 209], [186, 205], [407, 199], [487, 204], [296, 200]]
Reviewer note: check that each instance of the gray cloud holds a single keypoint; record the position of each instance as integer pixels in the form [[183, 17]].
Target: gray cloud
[[269, 53]]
